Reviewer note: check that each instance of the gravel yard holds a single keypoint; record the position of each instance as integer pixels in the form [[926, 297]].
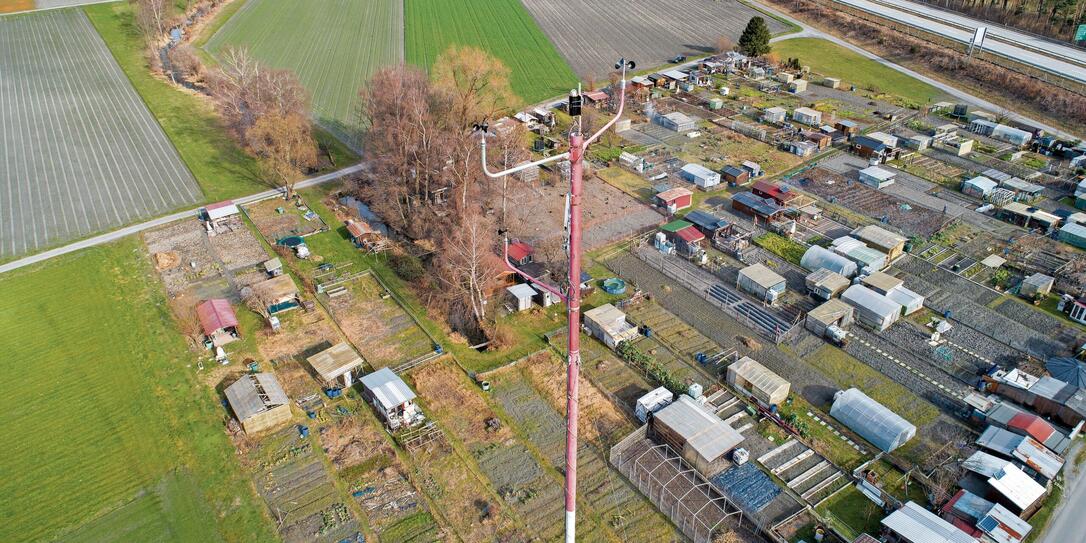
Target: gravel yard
[[182, 255], [237, 247]]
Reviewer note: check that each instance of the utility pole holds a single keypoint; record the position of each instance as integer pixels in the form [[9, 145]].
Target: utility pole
[[572, 297]]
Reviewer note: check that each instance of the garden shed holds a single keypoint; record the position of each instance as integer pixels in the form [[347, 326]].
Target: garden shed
[[833, 313], [392, 398], [877, 237], [337, 365], [258, 402], [764, 283], [758, 381], [808, 116], [818, 257], [871, 420], [697, 434], [217, 321], [522, 295], [979, 186], [872, 309], [1036, 285], [608, 324], [700, 175], [825, 284], [915, 524], [278, 293], [876, 177]]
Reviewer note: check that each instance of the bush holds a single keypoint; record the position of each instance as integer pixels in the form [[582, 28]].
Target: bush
[[407, 267]]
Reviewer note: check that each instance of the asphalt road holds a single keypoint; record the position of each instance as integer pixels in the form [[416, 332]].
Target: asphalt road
[[1067, 525], [137, 228], [1042, 53], [809, 32]]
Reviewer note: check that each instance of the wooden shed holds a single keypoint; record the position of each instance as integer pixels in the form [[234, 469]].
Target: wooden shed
[[336, 365], [258, 402]]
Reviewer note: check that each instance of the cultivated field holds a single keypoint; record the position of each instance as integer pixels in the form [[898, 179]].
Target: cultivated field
[[80, 151], [113, 439], [501, 27], [593, 35], [333, 45]]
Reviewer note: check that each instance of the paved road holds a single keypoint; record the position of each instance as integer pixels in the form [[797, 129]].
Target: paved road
[[1066, 525], [137, 228], [1042, 53], [809, 32]]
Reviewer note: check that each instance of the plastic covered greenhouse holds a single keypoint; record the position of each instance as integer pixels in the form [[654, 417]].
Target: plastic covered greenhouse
[[872, 420], [818, 257]]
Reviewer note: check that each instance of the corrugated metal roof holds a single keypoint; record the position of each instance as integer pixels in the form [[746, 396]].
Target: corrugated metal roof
[[705, 220], [878, 173], [969, 506], [709, 436], [760, 205], [760, 376], [1018, 487], [612, 320], [1068, 370], [862, 297], [674, 194], [918, 525], [216, 314], [984, 464], [335, 361], [690, 234], [827, 279], [675, 226], [879, 236], [697, 170], [1004, 526], [388, 388], [882, 282], [762, 276], [521, 290], [255, 393], [983, 183], [1027, 450], [830, 311]]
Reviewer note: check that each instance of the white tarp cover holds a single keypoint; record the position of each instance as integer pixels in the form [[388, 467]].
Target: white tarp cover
[[818, 257]]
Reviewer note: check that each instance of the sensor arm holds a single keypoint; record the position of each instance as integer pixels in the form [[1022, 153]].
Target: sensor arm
[[618, 115], [509, 265], [516, 169]]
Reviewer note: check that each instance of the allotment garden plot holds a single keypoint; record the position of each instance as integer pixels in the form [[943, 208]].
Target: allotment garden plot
[[593, 35], [80, 153], [374, 321], [333, 45]]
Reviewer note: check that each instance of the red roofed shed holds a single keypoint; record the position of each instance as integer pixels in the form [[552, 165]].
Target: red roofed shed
[[690, 234], [1032, 425], [597, 97], [218, 322], [765, 189], [520, 253]]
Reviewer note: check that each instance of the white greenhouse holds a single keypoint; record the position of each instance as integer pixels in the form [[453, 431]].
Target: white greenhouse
[[871, 420], [818, 257], [872, 309]]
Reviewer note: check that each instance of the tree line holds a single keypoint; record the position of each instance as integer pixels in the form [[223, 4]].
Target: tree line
[[266, 110]]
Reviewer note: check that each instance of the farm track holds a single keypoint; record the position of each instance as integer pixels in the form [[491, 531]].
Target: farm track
[[80, 151]]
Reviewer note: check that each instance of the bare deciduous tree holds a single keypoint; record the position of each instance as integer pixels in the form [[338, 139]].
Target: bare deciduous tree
[[477, 83], [724, 44], [468, 265], [152, 18], [285, 146]]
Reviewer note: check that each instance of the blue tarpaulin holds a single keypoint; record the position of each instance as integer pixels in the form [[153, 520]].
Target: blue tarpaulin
[[748, 486]]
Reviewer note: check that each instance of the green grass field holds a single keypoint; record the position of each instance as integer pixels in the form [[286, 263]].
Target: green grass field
[[504, 28], [221, 167], [831, 60], [111, 437], [333, 45]]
